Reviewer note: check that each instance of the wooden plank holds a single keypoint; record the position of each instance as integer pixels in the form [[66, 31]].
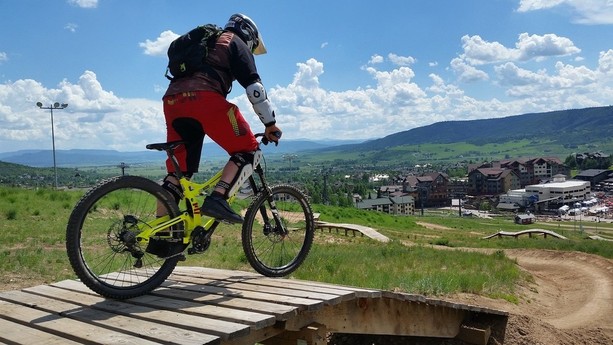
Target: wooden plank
[[222, 274], [359, 292], [248, 276], [44, 300], [223, 329], [17, 333], [182, 291], [255, 320], [65, 327], [280, 311], [195, 284], [278, 282], [364, 230], [326, 298], [528, 232], [228, 285]]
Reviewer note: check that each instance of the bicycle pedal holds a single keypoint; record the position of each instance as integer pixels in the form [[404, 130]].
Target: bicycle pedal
[[181, 257]]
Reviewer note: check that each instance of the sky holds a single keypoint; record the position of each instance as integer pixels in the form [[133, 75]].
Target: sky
[[340, 69]]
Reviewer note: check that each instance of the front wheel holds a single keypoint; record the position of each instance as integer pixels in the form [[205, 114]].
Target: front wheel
[[102, 237], [278, 231]]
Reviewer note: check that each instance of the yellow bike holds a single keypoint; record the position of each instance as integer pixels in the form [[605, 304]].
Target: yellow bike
[[120, 248]]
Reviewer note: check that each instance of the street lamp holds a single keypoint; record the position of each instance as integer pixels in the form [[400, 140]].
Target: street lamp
[[55, 105]]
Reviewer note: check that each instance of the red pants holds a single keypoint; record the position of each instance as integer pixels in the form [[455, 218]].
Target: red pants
[[192, 115]]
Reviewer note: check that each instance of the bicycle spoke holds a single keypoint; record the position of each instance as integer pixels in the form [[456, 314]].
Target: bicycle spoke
[[102, 237], [278, 247]]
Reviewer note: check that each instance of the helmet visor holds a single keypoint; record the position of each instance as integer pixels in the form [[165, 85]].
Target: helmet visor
[[260, 48]]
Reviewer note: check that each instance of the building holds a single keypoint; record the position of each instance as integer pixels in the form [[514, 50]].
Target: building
[[402, 205], [431, 188], [524, 219], [492, 181], [534, 170], [514, 199], [545, 168], [546, 196], [594, 176], [597, 159], [561, 191]]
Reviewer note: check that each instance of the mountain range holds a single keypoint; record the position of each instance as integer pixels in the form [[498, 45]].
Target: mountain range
[[566, 128], [84, 157]]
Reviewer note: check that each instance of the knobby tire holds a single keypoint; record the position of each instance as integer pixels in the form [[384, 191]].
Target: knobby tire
[[100, 243], [270, 251]]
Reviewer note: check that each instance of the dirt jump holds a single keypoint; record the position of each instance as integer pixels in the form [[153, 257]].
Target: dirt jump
[[569, 302]]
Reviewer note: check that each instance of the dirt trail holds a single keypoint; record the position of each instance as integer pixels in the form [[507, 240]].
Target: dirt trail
[[570, 301]]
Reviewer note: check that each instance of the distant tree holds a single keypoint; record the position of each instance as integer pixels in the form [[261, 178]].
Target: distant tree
[[589, 163], [571, 161]]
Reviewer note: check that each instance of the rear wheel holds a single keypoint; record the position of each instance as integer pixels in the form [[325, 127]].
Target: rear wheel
[[101, 238], [278, 231]]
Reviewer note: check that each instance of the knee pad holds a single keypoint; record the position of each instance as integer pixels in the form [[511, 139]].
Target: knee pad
[[242, 158], [245, 162]]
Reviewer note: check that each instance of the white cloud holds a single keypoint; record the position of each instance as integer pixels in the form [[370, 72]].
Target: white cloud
[[583, 11], [605, 62], [510, 74], [566, 85], [532, 5], [84, 3], [159, 47], [401, 60], [535, 46], [375, 59], [466, 72], [477, 51], [528, 47], [94, 118], [323, 45], [3, 57], [71, 27]]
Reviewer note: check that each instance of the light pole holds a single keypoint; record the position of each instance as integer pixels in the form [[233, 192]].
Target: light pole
[[55, 105]]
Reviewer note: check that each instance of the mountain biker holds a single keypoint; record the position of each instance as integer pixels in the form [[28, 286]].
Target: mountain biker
[[196, 106]]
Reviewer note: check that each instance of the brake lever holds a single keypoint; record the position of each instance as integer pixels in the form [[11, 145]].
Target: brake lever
[[277, 134]]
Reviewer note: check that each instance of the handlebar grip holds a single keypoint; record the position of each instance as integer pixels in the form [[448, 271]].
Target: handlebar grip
[[265, 140]]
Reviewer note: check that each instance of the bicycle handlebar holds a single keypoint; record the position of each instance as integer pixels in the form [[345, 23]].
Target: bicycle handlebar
[[265, 140]]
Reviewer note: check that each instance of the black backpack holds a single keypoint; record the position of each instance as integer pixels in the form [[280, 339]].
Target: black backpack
[[187, 53]]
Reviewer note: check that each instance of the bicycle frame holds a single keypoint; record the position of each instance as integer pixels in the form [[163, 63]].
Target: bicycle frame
[[192, 218]]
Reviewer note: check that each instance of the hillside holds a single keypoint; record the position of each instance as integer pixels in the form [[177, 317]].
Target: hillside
[[566, 127], [557, 133]]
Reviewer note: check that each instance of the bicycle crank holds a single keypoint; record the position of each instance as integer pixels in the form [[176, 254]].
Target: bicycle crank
[[201, 240]]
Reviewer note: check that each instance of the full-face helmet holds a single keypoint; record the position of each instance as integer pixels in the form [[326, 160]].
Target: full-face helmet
[[246, 29]]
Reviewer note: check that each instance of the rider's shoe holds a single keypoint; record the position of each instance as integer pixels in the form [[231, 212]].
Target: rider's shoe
[[217, 207]]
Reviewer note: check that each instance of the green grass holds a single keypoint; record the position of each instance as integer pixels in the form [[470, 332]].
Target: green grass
[[32, 248], [415, 269], [468, 232], [434, 153]]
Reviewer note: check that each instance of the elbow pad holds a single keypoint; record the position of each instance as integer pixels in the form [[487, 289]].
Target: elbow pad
[[261, 105]]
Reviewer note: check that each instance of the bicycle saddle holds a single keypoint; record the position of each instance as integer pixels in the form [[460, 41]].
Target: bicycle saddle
[[165, 146]]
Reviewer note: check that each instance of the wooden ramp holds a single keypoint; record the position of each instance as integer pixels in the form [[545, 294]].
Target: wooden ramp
[[354, 228], [528, 232], [210, 306]]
